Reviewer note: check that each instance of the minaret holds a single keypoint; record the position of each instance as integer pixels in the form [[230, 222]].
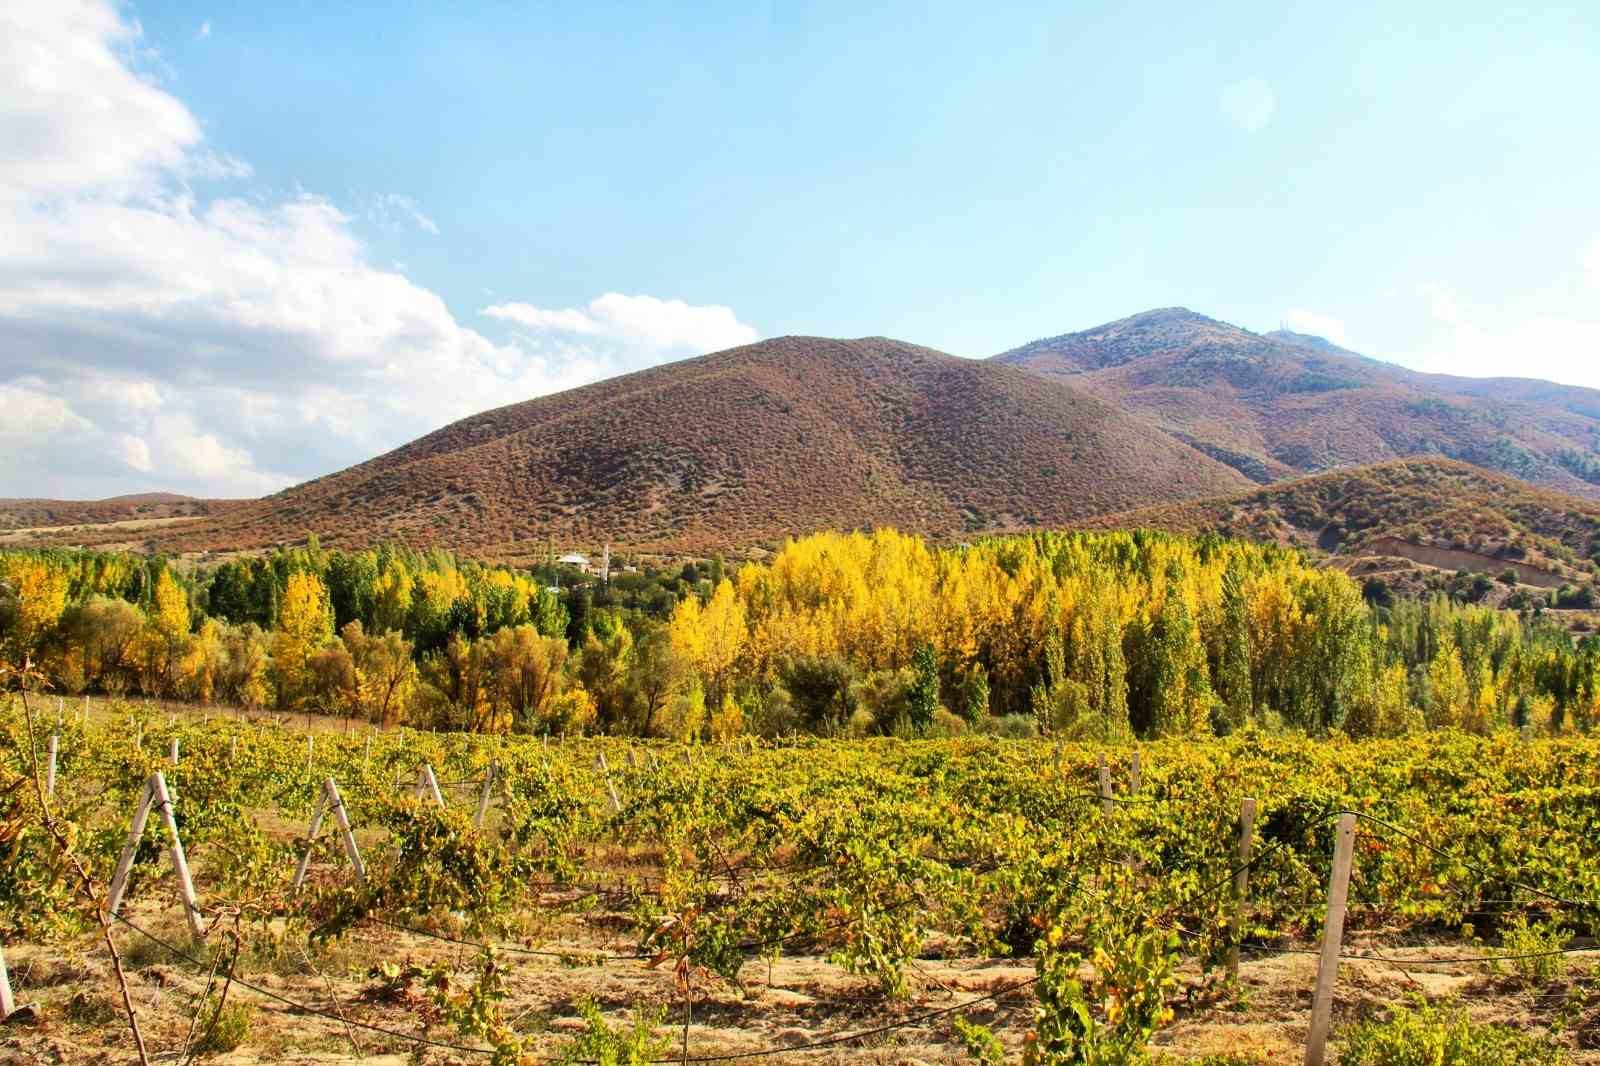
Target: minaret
[[605, 565]]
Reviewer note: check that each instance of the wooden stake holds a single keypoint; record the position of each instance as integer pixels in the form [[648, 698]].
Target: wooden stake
[[233, 747], [1332, 940], [1241, 883], [611, 790], [180, 864], [1106, 803], [119, 880], [317, 810], [351, 852], [1136, 773], [483, 797], [8, 1003], [428, 785], [50, 773], [172, 755]]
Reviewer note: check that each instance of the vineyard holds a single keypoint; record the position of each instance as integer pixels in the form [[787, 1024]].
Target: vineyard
[[514, 899]]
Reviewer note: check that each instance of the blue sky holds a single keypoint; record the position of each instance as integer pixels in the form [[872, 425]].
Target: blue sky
[[1419, 185]]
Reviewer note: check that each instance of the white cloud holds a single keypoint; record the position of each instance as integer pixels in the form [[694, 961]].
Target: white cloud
[[1473, 341], [663, 328], [1325, 326], [1591, 263], [152, 338], [204, 31], [391, 207], [1247, 105]]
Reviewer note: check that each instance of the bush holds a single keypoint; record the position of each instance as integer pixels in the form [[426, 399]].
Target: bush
[[1010, 726], [1524, 938], [1434, 1036], [226, 1030]]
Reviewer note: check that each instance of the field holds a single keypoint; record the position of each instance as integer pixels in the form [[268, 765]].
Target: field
[[828, 900]]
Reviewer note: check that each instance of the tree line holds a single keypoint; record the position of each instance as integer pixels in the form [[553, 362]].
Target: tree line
[[1080, 635]]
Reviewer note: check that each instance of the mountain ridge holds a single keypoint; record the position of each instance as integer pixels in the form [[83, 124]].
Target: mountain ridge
[[1275, 407]]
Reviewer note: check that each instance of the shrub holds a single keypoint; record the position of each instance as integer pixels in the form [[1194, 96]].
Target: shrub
[[1435, 1036], [1525, 938], [227, 1029]]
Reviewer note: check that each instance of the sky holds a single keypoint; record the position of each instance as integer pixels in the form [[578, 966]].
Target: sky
[[245, 244]]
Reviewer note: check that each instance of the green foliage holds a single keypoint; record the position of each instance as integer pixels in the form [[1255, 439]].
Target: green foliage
[[1532, 949], [1426, 1035], [980, 1042], [225, 1029], [603, 1044]]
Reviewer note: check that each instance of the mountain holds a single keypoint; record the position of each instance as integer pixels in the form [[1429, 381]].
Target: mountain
[[1437, 513], [1284, 404], [742, 448], [148, 506]]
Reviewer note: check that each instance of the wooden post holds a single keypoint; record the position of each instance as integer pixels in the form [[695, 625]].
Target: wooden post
[[366, 757], [1332, 941], [428, 785], [611, 790], [119, 880], [1136, 773], [351, 852], [138, 738], [172, 755], [310, 740], [233, 747], [8, 1003], [1241, 883], [50, 774], [180, 864], [484, 796], [1106, 803], [311, 839]]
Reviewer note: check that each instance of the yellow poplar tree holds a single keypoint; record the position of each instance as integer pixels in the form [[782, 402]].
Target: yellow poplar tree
[[305, 624], [41, 594]]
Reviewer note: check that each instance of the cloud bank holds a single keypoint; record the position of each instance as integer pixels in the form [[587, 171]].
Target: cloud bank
[[154, 337]]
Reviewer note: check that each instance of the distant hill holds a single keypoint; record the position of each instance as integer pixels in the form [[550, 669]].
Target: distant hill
[[36, 514], [1434, 512], [1284, 404], [742, 448]]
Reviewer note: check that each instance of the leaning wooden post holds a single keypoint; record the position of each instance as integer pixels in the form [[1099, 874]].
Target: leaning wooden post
[[427, 784], [1332, 941], [119, 880], [1106, 803], [351, 852], [50, 772], [611, 789], [180, 864], [8, 1003], [1241, 883], [317, 810], [484, 796]]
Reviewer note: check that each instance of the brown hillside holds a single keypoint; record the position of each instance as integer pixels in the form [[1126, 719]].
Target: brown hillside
[[741, 448], [1286, 404], [1436, 512], [36, 514]]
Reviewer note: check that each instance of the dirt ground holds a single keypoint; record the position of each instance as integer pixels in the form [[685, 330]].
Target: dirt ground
[[794, 1001]]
